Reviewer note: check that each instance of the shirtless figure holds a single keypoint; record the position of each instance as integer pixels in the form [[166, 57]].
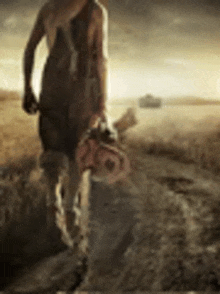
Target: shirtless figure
[[74, 86]]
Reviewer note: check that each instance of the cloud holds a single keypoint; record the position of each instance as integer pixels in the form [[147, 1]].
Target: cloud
[[167, 26], [149, 39], [20, 4]]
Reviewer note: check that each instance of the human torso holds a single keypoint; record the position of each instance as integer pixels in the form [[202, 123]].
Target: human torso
[[70, 60]]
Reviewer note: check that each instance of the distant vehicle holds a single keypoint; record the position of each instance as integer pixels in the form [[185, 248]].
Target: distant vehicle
[[149, 101]]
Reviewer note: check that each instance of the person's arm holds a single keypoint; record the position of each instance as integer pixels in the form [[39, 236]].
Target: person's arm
[[29, 101], [101, 45]]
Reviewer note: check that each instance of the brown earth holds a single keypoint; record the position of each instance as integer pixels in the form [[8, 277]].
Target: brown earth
[[158, 231]]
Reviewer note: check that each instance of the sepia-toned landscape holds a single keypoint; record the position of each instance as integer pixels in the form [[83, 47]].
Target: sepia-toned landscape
[[158, 229], [173, 189]]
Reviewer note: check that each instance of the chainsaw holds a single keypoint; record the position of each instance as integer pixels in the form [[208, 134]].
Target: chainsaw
[[99, 151]]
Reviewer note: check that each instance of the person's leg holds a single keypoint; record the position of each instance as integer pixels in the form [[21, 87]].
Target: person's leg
[[55, 168], [61, 171], [76, 202], [76, 206], [54, 163], [70, 201]]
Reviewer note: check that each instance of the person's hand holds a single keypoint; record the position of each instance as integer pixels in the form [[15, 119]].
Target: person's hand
[[102, 116], [29, 104], [109, 133], [96, 119]]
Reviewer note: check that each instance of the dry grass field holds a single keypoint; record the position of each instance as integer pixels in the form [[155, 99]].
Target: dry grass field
[[175, 189], [18, 131]]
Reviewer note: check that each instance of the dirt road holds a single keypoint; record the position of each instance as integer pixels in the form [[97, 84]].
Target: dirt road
[[173, 246], [159, 231]]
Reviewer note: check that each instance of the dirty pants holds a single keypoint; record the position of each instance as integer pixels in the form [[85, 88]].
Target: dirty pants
[[59, 139]]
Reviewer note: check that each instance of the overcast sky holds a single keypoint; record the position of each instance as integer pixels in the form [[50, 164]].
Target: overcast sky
[[163, 47]]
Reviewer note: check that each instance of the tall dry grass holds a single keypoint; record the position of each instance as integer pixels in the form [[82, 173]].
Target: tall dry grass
[[192, 142], [162, 260], [184, 217], [19, 148], [18, 131]]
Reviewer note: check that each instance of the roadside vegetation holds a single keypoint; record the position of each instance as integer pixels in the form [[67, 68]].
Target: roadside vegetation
[[176, 190]]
